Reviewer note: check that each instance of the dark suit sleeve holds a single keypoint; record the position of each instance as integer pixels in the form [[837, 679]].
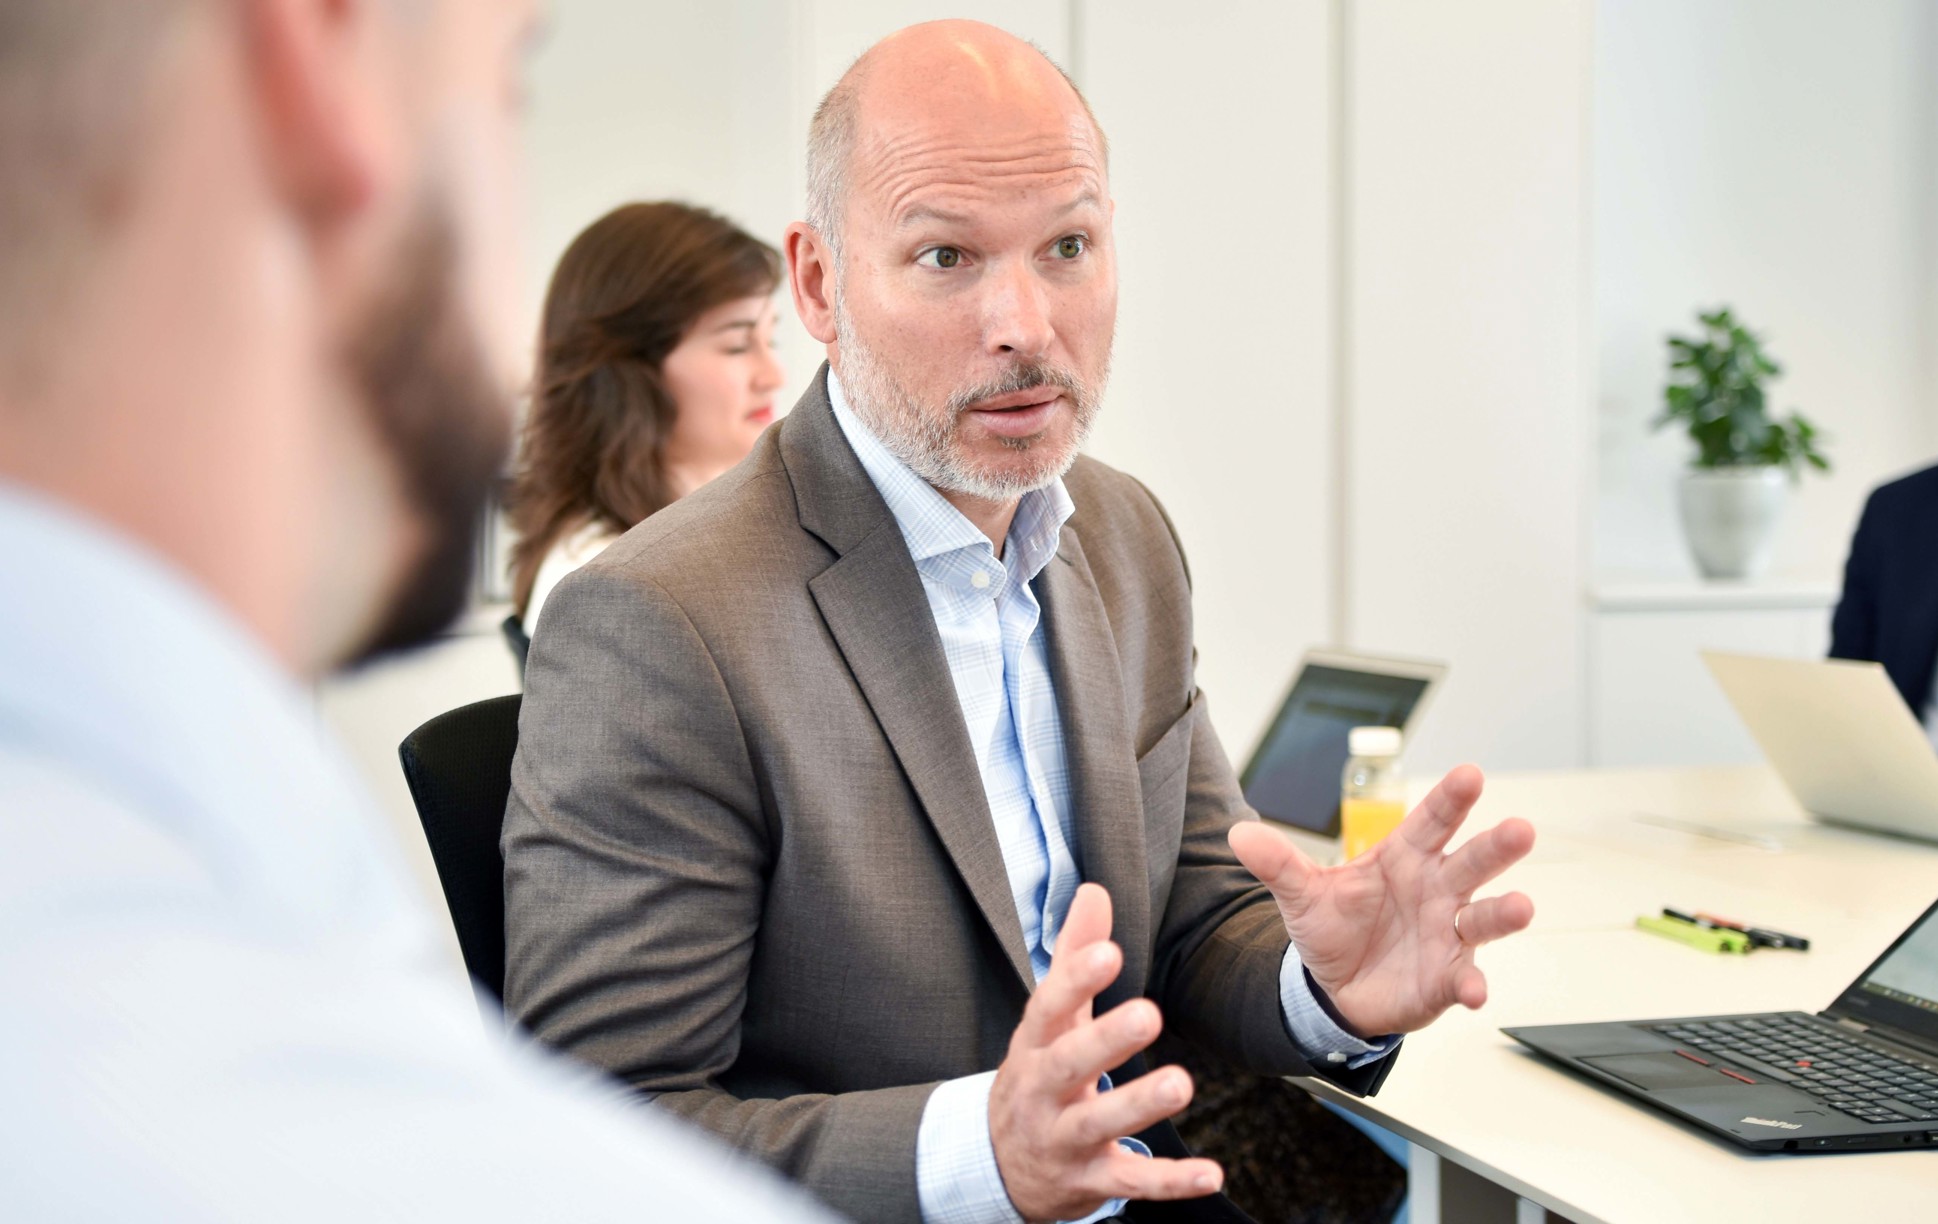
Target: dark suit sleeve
[[636, 852], [1215, 971], [1853, 628]]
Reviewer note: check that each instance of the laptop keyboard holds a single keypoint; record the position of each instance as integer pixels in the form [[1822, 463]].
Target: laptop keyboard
[[1845, 1073]]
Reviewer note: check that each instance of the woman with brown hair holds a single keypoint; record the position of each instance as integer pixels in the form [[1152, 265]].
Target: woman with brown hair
[[656, 373]]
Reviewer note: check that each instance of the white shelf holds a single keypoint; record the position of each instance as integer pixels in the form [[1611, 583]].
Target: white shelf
[[479, 620], [1643, 594]]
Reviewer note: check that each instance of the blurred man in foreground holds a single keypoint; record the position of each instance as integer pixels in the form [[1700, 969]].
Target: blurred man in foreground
[[248, 411]]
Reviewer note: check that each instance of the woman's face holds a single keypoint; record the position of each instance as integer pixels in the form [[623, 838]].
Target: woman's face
[[722, 377]]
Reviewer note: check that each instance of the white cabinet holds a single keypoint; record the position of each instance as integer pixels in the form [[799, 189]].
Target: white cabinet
[[1651, 702], [372, 709]]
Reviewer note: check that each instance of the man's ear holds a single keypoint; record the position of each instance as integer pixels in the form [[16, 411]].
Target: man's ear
[[810, 277], [309, 65]]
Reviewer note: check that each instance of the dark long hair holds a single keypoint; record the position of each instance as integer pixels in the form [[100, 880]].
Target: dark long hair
[[624, 295]]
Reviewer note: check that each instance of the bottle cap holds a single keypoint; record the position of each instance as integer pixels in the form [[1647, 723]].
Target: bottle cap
[[1374, 741]]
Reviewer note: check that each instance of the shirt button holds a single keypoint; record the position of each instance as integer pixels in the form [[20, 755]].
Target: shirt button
[[1335, 1057], [979, 580]]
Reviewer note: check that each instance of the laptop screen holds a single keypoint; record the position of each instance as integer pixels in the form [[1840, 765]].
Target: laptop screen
[[1901, 987], [1294, 776]]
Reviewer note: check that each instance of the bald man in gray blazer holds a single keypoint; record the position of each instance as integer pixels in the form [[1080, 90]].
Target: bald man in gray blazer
[[750, 865], [799, 812]]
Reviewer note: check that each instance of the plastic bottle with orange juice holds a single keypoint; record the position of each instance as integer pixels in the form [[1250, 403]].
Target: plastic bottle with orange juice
[[1372, 799]]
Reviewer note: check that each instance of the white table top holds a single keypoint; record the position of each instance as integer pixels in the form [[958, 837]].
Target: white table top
[[1476, 1097]]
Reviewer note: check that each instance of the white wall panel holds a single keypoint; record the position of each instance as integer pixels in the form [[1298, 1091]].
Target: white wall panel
[[1927, 191], [1654, 702], [692, 100], [1776, 155], [840, 30], [1465, 375], [1221, 400]]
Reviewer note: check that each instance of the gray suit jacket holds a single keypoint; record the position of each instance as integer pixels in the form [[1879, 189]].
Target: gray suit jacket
[[749, 865]]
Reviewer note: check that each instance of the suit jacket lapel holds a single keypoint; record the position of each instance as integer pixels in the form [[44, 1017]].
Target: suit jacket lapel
[[875, 608], [1106, 800]]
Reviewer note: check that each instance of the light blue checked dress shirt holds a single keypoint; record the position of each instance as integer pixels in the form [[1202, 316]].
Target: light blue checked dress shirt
[[991, 628], [226, 999]]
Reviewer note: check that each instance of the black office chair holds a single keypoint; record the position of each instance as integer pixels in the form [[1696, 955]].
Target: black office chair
[[516, 638], [458, 766]]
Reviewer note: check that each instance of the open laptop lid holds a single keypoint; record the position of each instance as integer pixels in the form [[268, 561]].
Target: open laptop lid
[[1293, 775], [1900, 989], [1839, 736]]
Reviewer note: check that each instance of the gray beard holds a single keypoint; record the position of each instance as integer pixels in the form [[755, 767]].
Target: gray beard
[[928, 441]]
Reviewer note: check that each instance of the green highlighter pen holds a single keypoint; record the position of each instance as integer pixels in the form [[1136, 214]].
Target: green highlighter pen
[[1709, 939]]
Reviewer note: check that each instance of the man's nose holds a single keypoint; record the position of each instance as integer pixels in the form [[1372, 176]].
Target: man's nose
[[1017, 314]]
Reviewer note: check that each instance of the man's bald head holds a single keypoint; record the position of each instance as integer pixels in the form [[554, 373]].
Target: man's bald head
[[938, 63], [957, 259]]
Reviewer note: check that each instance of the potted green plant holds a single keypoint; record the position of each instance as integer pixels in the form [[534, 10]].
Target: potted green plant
[[1733, 493]]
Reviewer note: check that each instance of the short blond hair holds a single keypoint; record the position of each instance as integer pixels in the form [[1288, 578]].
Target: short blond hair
[[77, 81]]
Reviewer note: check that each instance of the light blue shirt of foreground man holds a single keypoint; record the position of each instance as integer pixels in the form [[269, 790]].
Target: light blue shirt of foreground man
[[223, 999], [992, 635], [249, 407]]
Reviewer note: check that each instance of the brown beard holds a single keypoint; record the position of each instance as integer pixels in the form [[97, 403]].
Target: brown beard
[[436, 410]]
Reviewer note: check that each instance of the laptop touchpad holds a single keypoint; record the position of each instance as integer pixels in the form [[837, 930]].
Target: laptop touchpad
[[1656, 1071]]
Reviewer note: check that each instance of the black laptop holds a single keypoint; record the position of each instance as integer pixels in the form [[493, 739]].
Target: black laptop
[[1863, 1073]]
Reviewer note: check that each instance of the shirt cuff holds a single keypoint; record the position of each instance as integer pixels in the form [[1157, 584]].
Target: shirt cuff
[[956, 1178], [1317, 1036]]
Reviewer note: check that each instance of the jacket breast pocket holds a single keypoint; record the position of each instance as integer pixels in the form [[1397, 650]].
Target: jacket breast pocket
[[1164, 777]]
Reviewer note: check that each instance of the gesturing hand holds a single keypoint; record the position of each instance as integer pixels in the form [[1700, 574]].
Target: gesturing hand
[[1390, 936], [1054, 1133]]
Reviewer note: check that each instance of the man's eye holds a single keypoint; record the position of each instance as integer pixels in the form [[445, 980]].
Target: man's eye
[[940, 257], [1070, 247]]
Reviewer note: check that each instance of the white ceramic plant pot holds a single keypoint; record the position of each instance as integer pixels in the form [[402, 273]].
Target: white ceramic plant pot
[[1729, 516]]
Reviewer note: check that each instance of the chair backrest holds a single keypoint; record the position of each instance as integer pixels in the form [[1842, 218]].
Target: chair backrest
[[516, 638], [458, 766]]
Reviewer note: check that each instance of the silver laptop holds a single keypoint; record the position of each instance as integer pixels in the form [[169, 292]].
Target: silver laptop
[[1840, 737]]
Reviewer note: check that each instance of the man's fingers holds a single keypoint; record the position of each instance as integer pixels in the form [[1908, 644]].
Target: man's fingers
[[1432, 825], [1128, 1108], [1087, 1051], [1271, 856], [1470, 984], [1124, 1174], [1088, 919], [1084, 962], [1489, 854], [1495, 918], [1063, 997]]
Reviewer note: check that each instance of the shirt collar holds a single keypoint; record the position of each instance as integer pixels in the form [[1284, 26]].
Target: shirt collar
[[930, 525]]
